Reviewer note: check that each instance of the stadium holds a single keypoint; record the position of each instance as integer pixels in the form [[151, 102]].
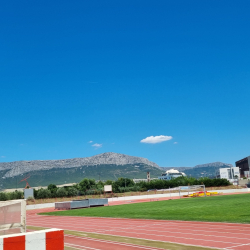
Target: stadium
[[154, 221]]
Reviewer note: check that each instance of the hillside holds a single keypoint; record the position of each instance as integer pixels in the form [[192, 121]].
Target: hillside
[[104, 166], [203, 170]]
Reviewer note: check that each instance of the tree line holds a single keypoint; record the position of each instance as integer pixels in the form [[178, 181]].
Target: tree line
[[122, 185]]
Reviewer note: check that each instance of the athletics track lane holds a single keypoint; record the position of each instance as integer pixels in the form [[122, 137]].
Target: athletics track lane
[[217, 235], [96, 244]]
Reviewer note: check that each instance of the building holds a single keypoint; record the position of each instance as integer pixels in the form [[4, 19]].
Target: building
[[170, 174], [244, 166], [229, 173]]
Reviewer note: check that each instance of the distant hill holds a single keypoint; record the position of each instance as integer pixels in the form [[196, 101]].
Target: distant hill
[[203, 170], [104, 166]]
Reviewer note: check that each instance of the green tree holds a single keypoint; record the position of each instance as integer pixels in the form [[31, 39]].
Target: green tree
[[52, 186], [84, 185], [108, 182], [61, 192], [3, 196], [72, 191], [53, 189], [43, 193]]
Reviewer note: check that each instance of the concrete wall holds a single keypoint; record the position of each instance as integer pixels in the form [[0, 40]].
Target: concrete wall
[[28, 192]]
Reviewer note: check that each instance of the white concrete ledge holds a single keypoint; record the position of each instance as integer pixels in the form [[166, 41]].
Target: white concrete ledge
[[37, 206]]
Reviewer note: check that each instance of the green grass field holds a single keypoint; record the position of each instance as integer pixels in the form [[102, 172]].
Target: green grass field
[[227, 208]]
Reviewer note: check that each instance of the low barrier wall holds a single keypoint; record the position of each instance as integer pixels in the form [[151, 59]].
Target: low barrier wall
[[81, 203], [50, 239]]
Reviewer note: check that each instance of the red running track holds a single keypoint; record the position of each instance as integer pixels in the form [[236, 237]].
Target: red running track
[[206, 234], [96, 244]]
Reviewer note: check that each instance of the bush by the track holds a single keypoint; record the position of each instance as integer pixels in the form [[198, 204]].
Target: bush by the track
[[4, 196]]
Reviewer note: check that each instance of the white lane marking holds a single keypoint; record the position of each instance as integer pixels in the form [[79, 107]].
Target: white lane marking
[[178, 226], [185, 244], [166, 236], [70, 244], [66, 245], [113, 242], [215, 224], [237, 246], [206, 231]]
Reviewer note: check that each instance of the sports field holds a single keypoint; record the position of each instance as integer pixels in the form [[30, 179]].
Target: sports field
[[228, 208]]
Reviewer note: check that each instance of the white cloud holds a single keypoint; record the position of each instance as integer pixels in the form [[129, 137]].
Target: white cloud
[[2, 156], [156, 139], [90, 141], [175, 142], [97, 145]]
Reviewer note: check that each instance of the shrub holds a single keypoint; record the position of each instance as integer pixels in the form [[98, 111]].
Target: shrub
[[11, 195], [15, 195], [52, 188], [43, 193], [90, 192], [61, 192], [94, 191], [72, 192], [3, 196], [30, 198], [35, 193], [100, 185]]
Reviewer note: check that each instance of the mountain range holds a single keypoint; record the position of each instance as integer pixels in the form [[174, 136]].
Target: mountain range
[[106, 166]]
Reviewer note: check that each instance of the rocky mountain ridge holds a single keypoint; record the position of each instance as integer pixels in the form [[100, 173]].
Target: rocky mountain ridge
[[212, 164], [16, 168], [203, 170]]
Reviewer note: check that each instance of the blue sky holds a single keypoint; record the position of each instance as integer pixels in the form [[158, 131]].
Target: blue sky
[[117, 72]]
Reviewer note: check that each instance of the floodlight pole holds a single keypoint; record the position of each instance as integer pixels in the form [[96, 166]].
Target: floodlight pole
[[180, 192]]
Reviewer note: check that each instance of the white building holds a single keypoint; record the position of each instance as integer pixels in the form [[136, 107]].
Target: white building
[[170, 174], [229, 173]]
